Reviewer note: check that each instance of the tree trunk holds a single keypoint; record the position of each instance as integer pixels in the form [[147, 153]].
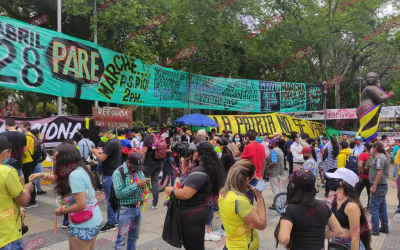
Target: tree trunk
[[162, 115]]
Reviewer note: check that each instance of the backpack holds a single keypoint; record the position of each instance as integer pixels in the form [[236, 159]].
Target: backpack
[[367, 163], [39, 151], [161, 147], [113, 200], [352, 163]]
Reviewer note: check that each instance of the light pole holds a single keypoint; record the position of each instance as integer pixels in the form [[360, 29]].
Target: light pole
[[359, 93]]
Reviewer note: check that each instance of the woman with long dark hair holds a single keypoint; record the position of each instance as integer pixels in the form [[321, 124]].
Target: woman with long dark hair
[[348, 210], [330, 157], [75, 185], [304, 218], [201, 183], [237, 141]]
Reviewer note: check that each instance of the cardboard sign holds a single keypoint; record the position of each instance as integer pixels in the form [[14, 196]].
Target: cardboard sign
[[113, 117]]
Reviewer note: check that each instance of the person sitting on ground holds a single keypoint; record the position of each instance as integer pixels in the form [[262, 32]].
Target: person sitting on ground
[[236, 209], [298, 228], [349, 211]]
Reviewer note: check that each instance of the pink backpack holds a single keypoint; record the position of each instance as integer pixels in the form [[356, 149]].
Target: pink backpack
[[161, 147]]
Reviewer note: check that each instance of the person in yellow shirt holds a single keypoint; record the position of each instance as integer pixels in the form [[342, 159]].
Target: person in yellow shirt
[[28, 164], [343, 153], [397, 162], [13, 197]]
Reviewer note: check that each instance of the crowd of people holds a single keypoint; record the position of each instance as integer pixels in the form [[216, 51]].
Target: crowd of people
[[126, 163]]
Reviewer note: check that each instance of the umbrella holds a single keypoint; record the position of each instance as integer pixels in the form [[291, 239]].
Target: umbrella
[[388, 129], [197, 120]]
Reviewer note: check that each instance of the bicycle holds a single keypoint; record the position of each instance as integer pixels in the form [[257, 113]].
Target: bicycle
[[280, 199]]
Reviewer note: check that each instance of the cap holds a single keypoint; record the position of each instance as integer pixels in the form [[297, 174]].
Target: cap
[[136, 160], [205, 147], [344, 174], [306, 150], [344, 144], [378, 145], [303, 179], [359, 138], [178, 129], [225, 131]]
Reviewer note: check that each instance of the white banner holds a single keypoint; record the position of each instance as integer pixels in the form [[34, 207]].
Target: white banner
[[334, 114], [391, 135]]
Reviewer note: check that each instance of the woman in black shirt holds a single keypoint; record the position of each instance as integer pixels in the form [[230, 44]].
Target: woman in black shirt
[[303, 220], [348, 210], [227, 157], [198, 189]]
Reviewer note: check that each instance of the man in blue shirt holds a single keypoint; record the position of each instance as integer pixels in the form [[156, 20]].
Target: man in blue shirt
[[289, 156]]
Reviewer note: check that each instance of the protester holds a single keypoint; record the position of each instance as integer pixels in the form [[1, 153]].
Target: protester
[[330, 157], [135, 140], [237, 143], [396, 146], [12, 196], [295, 149], [275, 168], [76, 189], [359, 145], [255, 152], [344, 152], [379, 187], [310, 144], [152, 166], [298, 228], [227, 157], [38, 168], [236, 209], [309, 163], [129, 192], [349, 211], [289, 155], [217, 149], [304, 138], [281, 145], [18, 142], [111, 158], [353, 150], [397, 162], [28, 164], [202, 134], [85, 144], [364, 164], [125, 143], [318, 152], [203, 182]]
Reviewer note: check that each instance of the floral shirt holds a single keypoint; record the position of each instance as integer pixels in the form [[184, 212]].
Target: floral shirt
[[311, 165]]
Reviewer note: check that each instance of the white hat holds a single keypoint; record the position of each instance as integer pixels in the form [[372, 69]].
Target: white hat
[[344, 174]]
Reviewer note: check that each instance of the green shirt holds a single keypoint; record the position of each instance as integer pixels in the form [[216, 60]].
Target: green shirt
[[126, 192]]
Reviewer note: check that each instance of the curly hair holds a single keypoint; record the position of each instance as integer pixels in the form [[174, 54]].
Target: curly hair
[[214, 169], [66, 161]]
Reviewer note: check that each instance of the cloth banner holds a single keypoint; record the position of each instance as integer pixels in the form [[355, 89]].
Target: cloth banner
[[57, 129], [267, 123], [45, 61], [390, 135]]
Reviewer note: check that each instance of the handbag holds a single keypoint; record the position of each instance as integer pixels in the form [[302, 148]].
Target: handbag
[[337, 246], [83, 216], [172, 231]]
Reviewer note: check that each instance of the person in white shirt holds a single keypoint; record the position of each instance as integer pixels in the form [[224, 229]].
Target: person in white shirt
[[136, 139], [295, 149], [265, 143], [353, 150], [359, 144]]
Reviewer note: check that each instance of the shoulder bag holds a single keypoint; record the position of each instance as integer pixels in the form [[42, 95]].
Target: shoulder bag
[[172, 231]]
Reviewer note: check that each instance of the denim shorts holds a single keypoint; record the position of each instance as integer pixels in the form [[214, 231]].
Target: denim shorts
[[15, 245], [85, 233]]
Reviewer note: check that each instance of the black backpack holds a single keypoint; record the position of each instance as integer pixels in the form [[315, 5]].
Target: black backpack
[[39, 150], [113, 200]]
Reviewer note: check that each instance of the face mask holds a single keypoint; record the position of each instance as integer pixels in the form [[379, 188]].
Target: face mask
[[104, 139], [237, 139], [305, 158], [358, 143], [77, 147], [6, 160], [334, 185]]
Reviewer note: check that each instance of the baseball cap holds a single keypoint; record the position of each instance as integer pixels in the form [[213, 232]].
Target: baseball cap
[[358, 138], [344, 144], [303, 179], [204, 146], [136, 160], [378, 145], [225, 131], [305, 150], [345, 175]]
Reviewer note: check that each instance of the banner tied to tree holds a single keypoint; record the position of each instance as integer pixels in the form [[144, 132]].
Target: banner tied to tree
[[50, 62]]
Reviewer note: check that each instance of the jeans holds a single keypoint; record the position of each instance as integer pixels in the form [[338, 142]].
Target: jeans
[[15, 245], [396, 167], [129, 222], [38, 169], [99, 169], [153, 171], [111, 217], [168, 166], [27, 169], [377, 208], [290, 167], [211, 216], [360, 186], [19, 172]]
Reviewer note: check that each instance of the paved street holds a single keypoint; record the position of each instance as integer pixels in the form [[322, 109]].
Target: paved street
[[41, 224]]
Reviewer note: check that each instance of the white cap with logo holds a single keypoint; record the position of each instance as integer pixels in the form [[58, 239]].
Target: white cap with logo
[[344, 174]]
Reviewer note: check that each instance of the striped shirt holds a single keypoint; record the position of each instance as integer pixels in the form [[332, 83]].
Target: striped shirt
[[330, 162]]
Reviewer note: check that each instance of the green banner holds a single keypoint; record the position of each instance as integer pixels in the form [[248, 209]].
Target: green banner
[[45, 61]]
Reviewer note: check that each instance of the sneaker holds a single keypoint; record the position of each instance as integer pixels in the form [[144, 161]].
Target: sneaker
[[286, 169], [212, 237], [397, 211], [41, 192], [153, 207], [216, 215], [384, 230], [31, 205], [374, 233], [220, 232], [107, 228], [65, 224]]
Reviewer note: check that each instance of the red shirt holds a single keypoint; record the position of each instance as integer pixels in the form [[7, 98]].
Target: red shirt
[[364, 157], [256, 154]]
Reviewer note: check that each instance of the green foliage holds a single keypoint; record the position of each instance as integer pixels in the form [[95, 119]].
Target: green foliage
[[50, 109]]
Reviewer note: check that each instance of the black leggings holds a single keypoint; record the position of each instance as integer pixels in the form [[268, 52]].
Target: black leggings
[[28, 169], [327, 180], [361, 185], [193, 228]]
